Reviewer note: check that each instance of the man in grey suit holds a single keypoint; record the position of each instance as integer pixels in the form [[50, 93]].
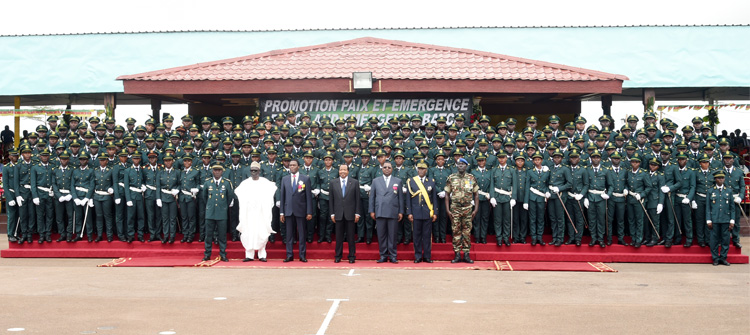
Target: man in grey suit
[[296, 208], [387, 208], [345, 206]]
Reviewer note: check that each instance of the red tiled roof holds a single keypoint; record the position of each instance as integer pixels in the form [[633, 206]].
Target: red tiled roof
[[387, 59]]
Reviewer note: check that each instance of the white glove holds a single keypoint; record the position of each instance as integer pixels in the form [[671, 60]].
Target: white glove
[[659, 208], [35, 201], [578, 196], [158, 202], [129, 204], [665, 189], [61, 199], [194, 191], [554, 189], [547, 195], [586, 203], [441, 194], [77, 202], [68, 197], [545, 168], [403, 189], [231, 204], [731, 221], [19, 200], [118, 201], [367, 188], [91, 202], [175, 191], [526, 206], [315, 192], [11, 203], [143, 188], [737, 200], [51, 193], [694, 205], [85, 201], [637, 196], [278, 204], [493, 202], [708, 222], [512, 202], [110, 191], [605, 196], [472, 202], [625, 192], [685, 201]]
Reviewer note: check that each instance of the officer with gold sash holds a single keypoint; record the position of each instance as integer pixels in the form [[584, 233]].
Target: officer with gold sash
[[421, 208]]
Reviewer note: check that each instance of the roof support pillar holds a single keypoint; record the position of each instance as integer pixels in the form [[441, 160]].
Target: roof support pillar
[[156, 110], [648, 94], [607, 105], [110, 103], [17, 121]]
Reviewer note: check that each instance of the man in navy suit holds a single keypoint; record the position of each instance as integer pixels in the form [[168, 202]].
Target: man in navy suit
[[346, 206], [421, 208], [296, 208], [386, 208]]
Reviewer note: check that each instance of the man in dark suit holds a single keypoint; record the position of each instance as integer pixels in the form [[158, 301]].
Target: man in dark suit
[[345, 205], [296, 207], [386, 208], [421, 207]]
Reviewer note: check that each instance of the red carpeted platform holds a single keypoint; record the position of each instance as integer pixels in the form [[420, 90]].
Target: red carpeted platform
[[440, 252]]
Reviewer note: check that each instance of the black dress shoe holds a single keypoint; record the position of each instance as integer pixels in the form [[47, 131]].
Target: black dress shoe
[[557, 243], [533, 242], [578, 243], [200, 239], [360, 240], [609, 242], [205, 259], [427, 260], [701, 244], [716, 262], [591, 244], [369, 241], [621, 241], [21, 240], [651, 243], [394, 261], [171, 240], [235, 238], [602, 244], [569, 242], [417, 261], [91, 239], [382, 260], [687, 244], [262, 259], [12, 239], [142, 240], [668, 244], [130, 240], [62, 238], [224, 259], [541, 242], [328, 240], [272, 239], [737, 245], [48, 238], [41, 240], [636, 245], [337, 260], [351, 261], [320, 240], [109, 239], [507, 243], [309, 240], [288, 259], [303, 260], [247, 260], [724, 262], [183, 240]]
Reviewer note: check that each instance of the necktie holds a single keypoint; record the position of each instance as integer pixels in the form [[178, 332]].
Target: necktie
[[294, 181], [387, 181], [343, 186]]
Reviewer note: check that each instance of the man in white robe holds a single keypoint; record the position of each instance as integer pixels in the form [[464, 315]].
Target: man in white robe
[[255, 196]]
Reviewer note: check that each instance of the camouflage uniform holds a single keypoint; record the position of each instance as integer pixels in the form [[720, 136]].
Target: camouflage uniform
[[461, 190]]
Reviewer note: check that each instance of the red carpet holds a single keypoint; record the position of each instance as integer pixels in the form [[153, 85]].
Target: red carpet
[[344, 265], [440, 252]]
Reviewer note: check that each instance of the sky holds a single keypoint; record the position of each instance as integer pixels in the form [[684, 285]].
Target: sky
[[89, 16]]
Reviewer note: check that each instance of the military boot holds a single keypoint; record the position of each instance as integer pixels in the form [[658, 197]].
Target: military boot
[[458, 258], [467, 259]]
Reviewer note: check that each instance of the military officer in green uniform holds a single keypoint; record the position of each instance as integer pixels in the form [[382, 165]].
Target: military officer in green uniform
[[134, 188], [654, 202], [734, 179], [596, 201], [168, 186], [520, 220], [704, 182], [638, 188], [118, 173], [190, 183], [236, 173], [684, 194], [672, 183], [560, 181], [61, 182], [484, 177], [308, 168], [205, 174], [324, 177], [22, 187], [9, 182], [537, 180], [503, 193], [440, 174], [616, 206], [720, 214], [217, 197], [153, 212], [82, 191], [579, 189], [461, 190], [102, 198], [43, 196], [365, 224]]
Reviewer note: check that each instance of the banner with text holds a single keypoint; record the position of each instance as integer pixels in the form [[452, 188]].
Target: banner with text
[[365, 108]]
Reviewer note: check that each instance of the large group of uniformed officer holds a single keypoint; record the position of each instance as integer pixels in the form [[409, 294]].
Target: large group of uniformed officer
[[651, 183]]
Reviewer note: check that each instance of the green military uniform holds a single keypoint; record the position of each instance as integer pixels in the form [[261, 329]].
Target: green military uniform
[[704, 182], [439, 228], [218, 196], [43, 197], [672, 183], [121, 211], [190, 182], [461, 190], [325, 226], [484, 181], [103, 191], [503, 192], [579, 189], [61, 186], [520, 220], [537, 180], [735, 180], [654, 199], [153, 212], [638, 188], [720, 212], [134, 189], [168, 187], [684, 195], [561, 179], [205, 174], [236, 174], [82, 190], [599, 189], [26, 209], [365, 225], [9, 181], [616, 205]]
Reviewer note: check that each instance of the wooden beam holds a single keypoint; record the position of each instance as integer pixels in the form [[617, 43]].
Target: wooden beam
[[17, 123], [607, 104], [156, 110]]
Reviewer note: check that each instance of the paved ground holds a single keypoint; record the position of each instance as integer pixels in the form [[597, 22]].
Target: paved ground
[[71, 296]]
